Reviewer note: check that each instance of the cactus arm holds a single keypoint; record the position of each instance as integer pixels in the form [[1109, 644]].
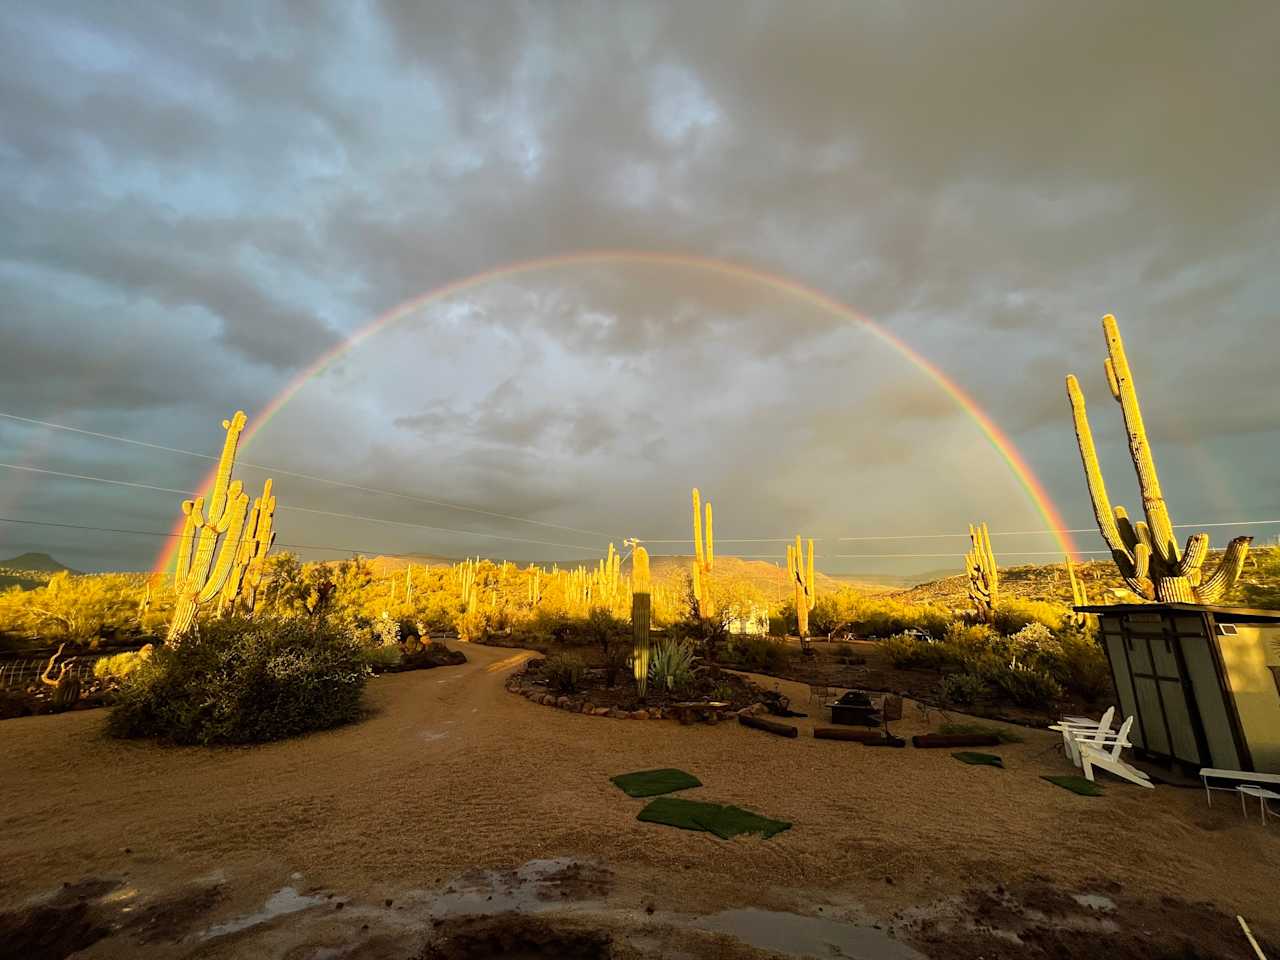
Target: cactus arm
[[1120, 379], [1102, 509], [1215, 586], [192, 511], [237, 506], [221, 491], [1193, 558]]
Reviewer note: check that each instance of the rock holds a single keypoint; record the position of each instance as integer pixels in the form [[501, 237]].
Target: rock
[[563, 702], [640, 715], [618, 714], [602, 711], [548, 700], [588, 707], [656, 713]]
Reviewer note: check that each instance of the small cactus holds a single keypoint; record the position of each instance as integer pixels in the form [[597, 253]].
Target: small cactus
[[704, 557]]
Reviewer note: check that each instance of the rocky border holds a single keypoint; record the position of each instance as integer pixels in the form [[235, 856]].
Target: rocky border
[[539, 694]]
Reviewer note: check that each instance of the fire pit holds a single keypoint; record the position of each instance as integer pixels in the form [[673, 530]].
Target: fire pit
[[855, 709]]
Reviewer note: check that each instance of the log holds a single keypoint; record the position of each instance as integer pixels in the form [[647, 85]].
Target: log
[[845, 733], [927, 740], [769, 726]]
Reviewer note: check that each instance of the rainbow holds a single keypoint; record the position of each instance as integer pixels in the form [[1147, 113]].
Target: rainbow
[[1034, 489]]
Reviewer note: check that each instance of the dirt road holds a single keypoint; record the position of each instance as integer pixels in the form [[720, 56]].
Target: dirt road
[[368, 831]]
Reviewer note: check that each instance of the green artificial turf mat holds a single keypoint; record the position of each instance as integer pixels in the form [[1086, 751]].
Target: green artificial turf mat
[[650, 783], [979, 759], [725, 822], [1086, 788]]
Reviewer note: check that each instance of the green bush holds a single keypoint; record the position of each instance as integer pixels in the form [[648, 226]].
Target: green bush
[[122, 665], [1025, 686], [909, 652], [962, 689], [242, 681], [564, 672], [671, 665], [758, 654], [1014, 614], [1080, 664], [380, 657]]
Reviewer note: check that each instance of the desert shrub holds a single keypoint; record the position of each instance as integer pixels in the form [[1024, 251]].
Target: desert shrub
[[433, 654], [122, 665], [564, 672], [472, 624], [612, 637], [671, 665], [243, 681], [381, 657], [1026, 686], [759, 654], [883, 617], [909, 652], [1079, 663], [962, 689], [1014, 614]]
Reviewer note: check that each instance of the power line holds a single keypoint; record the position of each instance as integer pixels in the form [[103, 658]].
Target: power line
[[157, 533], [344, 516], [303, 476]]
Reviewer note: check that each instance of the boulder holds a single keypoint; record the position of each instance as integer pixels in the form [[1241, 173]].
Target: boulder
[[588, 707], [563, 703], [618, 714], [640, 715], [602, 711]]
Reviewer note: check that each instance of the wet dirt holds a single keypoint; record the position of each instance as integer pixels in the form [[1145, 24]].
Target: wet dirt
[[516, 937], [1035, 920]]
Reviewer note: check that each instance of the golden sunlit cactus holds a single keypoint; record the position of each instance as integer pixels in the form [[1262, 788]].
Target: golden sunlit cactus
[[801, 576], [984, 576], [467, 581], [1147, 553], [640, 617], [704, 557], [197, 578], [535, 586], [606, 581], [245, 577], [1079, 597]]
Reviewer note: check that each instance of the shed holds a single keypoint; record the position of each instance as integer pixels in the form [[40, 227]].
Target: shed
[[1202, 682]]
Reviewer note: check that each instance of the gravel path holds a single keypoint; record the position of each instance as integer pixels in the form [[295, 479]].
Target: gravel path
[[452, 773]]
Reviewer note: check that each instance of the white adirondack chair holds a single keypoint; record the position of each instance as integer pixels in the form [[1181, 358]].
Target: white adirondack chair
[[1096, 753], [1073, 728]]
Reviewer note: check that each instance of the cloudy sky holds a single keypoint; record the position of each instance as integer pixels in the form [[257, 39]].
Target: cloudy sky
[[200, 201]]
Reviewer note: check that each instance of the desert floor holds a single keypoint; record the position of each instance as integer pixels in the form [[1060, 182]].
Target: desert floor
[[456, 797]]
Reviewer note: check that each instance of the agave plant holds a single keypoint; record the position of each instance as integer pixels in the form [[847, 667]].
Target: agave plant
[[671, 665]]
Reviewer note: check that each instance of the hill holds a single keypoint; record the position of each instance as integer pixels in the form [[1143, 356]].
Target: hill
[[35, 561], [769, 578]]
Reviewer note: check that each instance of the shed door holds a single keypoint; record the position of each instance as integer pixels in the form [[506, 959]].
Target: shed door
[[1166, 716]]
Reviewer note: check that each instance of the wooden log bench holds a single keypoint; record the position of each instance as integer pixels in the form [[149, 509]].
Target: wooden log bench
[[692, 710]]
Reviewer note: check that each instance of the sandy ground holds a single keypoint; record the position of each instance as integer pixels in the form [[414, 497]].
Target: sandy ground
[[451, 774]]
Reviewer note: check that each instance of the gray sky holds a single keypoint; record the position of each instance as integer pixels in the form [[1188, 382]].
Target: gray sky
[[201, 202]]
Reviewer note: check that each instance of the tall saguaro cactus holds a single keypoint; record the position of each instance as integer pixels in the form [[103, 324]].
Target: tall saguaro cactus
[[802, 579], [1079, 596], [984, 576], [640, 617], [1147, 553], [704, 557], [198, 579]]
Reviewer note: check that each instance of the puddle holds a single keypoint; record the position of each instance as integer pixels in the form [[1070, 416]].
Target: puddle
[[800, 936], [1095, 901], [284, 901], [535, 886]]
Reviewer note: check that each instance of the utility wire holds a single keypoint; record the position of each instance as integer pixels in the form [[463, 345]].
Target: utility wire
[[343, 516], [302, 476], [157, 533]]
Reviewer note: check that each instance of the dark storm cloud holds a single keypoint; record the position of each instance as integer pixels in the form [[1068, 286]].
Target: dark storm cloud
[[200, 202]]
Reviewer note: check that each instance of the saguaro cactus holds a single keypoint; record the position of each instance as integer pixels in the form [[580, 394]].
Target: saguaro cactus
[[801, 575], [1147, 553], [640, 616], [1079, 597], [245, 577], [467, 581], [704, 557], [984, 576], [197, 579]]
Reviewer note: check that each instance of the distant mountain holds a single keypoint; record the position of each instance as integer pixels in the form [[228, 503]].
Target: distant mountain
[[35, 561]]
